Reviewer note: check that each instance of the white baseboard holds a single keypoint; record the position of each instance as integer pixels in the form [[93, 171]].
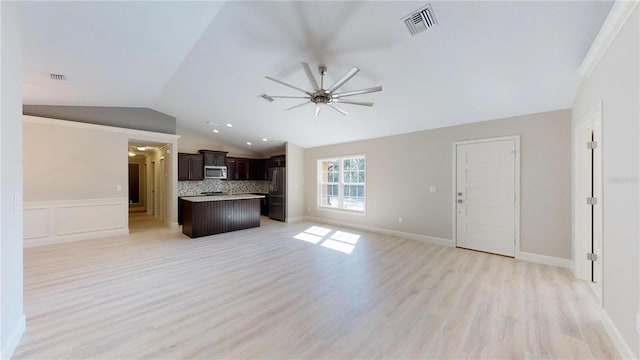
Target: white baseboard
[[295, 219], [546, 260], [400, 234], [10, 346], [622, 346], [59, 221]]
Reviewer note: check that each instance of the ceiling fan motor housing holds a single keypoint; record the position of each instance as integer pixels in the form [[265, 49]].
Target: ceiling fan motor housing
[[321, 97]]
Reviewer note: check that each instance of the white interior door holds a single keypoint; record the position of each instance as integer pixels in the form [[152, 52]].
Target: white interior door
[[486, 196]]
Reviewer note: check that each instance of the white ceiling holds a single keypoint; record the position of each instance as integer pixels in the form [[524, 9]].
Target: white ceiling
[[206, 61]]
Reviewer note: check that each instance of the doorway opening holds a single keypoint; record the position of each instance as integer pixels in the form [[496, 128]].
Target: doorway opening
[[147, 185], [486, 199]]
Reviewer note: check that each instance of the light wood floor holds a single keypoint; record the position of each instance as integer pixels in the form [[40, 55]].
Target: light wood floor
[[263, 293]]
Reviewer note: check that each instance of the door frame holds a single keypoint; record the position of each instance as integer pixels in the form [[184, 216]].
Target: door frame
[[590, 121], [454, 146]]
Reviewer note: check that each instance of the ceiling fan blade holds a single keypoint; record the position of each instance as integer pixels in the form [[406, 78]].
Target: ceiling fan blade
[[358, 92], [288, 85], [337, 108], [317, 110], [290, 97], [299, 105], [351, 73], [312, 80], [363, 103]]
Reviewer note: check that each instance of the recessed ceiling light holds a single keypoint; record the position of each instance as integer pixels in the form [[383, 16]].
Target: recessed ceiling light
[[132, 154], [264, 139], [216, 131], [248, 142], [229, 125], [141, 148]]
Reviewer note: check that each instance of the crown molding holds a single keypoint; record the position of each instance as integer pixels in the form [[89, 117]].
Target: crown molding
[[618, 16]]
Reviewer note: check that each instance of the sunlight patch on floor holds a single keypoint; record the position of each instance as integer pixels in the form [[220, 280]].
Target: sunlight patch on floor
[[339, 240]]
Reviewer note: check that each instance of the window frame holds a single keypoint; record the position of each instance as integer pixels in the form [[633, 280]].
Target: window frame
[[341, 184]]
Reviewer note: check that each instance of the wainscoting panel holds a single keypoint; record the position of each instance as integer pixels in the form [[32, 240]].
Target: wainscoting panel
[[51, 222]]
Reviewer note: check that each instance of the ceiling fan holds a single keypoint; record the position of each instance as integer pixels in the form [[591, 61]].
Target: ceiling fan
[[327, 96]]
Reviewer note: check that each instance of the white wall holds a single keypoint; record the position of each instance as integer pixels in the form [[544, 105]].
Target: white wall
[[401, 168], [294, 208], [616, 82], [12, 319]]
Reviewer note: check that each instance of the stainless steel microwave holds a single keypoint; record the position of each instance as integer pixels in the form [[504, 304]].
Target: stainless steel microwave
[[215, 172]]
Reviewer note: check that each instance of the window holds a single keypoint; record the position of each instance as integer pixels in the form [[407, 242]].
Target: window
[[341, 183]]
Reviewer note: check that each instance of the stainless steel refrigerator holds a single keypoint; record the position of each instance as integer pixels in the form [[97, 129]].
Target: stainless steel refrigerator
[[277, 190]]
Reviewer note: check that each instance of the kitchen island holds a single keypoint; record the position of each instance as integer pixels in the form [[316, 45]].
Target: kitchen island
[[210, 215]]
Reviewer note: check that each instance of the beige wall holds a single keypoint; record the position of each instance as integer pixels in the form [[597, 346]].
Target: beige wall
[[616, 82], [191, 141], [295, 182], [69, 162], [401, 168], [65, 163]]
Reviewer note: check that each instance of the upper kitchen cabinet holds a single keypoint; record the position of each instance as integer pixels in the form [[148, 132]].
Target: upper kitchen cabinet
[[253, 169], [190, 166], [243, 169], [265, 164], [278, 161], [232, 173], [214, 158]]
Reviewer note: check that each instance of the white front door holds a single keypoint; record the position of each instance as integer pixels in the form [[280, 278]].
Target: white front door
[[486, 196]]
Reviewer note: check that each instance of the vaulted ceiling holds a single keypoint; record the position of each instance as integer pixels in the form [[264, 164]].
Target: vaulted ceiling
[[206, 61]]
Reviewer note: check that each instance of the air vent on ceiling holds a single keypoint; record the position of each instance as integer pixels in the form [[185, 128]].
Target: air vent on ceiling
[[57, 77], [420, 20]]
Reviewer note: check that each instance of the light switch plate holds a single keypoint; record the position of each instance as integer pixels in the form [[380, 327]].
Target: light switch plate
[[432, 188]]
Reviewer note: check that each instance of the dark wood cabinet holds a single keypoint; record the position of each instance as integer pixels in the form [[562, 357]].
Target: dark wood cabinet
[[190, 166], [243, 169], [265, 164], [253, 169], [278, 161], [215, 217], [214, 158], [232, 173]]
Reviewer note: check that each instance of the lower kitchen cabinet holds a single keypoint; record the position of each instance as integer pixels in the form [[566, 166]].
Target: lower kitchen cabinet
[[215, 217]]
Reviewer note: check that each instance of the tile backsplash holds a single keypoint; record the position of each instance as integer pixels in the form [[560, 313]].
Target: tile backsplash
[[244, 186]]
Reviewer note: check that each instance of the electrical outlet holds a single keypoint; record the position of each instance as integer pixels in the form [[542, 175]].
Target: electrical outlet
[[400, 220], [432, 188]]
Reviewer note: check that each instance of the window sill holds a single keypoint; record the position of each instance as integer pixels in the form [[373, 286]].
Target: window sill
[[343, 211]]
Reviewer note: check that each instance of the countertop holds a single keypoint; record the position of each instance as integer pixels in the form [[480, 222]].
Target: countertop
[[222, 197], [234, 194]]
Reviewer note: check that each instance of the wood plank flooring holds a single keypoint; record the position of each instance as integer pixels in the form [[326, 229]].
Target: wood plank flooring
[[279, 291]]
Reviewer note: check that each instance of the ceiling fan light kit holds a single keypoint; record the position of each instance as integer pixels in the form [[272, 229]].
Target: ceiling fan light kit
[[320, 95]]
